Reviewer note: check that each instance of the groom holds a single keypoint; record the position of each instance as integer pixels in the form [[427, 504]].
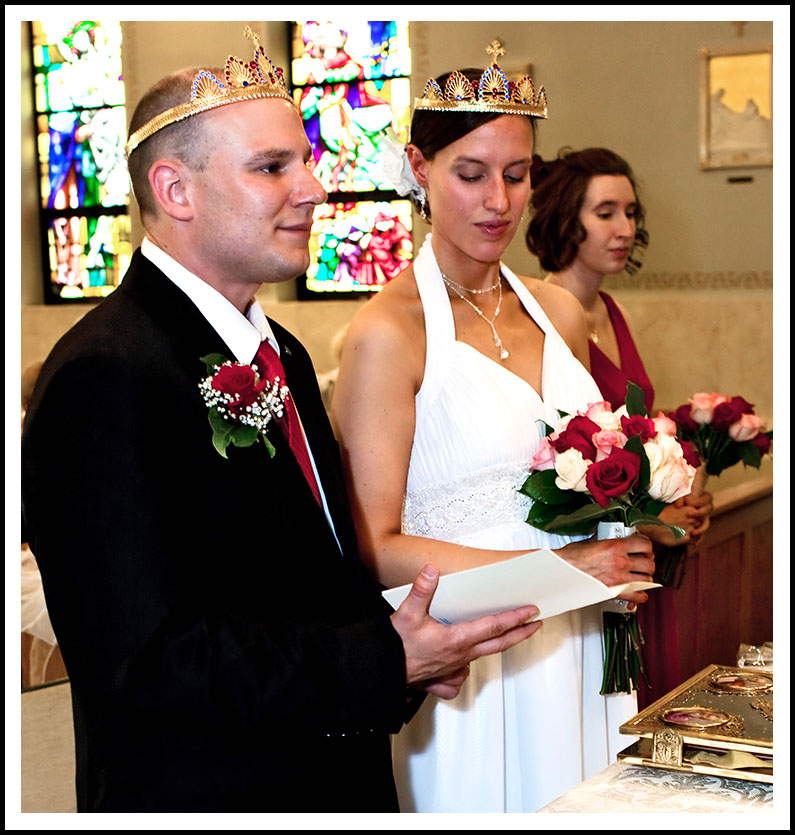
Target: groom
[[225, 649]]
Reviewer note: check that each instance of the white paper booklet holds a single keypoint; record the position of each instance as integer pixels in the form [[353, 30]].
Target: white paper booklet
[[540, 578]]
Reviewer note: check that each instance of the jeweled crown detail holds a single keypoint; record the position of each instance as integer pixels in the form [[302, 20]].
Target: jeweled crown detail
[[256, 79], [494, 93]]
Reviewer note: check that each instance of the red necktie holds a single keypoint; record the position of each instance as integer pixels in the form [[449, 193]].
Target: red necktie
[[270, 367]]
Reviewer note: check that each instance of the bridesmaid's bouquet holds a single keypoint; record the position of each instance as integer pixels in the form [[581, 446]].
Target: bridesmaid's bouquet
[[610, 466], [723, 430]]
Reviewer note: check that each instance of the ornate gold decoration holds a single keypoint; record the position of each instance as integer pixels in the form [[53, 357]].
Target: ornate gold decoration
[[494, 93], [667, 748], [257, 79], [765, 707]]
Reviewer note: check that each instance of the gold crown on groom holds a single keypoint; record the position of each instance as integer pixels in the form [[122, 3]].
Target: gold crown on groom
[[256, 79], [494, 93]]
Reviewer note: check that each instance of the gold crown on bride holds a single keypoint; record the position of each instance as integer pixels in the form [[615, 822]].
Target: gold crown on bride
[[255, 79], [494, 93]]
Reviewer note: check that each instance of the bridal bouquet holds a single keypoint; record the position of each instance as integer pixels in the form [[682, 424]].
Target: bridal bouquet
[[610, 466], [605, 466], [724, 430]]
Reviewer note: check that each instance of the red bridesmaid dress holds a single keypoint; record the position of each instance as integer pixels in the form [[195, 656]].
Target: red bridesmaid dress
[[657, 617]]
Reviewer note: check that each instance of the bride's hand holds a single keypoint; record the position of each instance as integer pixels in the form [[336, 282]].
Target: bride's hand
[[614, 561]]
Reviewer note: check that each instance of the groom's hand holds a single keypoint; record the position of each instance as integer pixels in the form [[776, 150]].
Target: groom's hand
[[437, 656]]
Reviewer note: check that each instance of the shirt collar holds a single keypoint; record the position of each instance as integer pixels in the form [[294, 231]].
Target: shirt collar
[[243, 334]]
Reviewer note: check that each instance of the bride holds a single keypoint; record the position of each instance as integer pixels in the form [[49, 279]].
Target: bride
[[443, 379]]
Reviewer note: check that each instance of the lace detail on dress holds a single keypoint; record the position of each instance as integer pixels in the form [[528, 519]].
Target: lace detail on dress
[[480, 500]]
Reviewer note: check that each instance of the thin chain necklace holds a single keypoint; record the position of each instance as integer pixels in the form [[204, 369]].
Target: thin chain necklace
[[460, 287], [490, 322]]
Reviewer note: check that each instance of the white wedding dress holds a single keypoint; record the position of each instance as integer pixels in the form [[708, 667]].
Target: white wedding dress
[[529, 724]]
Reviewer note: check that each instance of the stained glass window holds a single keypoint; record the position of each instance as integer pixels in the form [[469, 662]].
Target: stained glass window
[[81, 129], [352, 89]]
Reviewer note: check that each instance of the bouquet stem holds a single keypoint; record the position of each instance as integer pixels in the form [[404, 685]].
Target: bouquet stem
[[624, 665], [623, 639]]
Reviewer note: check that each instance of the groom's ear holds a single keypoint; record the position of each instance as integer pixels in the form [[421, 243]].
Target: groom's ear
[[419, 164], [169, 180]]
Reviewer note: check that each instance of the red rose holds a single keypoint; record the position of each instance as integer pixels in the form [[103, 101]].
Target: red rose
[[639, 425], [612, 476], [691, 456], [578, 435], [726, 414], [762, 443], [681, 417], [241, 382]]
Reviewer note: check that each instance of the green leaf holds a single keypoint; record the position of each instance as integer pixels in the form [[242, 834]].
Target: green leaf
[[636, 403], [243, 435], [584, 519], [541, 487], [635, 444], [213, 361], [652, 506], [750, 455], [221, 442], [636, 517], [219, 423], [269, 446], [548, 430]]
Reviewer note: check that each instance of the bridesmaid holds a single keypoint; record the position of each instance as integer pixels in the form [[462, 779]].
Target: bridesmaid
[[587, 223]]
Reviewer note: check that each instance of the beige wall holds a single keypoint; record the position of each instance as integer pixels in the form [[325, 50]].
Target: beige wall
[[702, 306]]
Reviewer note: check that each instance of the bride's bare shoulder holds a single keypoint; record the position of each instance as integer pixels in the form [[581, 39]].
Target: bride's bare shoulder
[[392, 319]]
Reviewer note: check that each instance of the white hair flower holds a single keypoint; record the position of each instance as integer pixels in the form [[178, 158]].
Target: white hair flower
[[397, 170]]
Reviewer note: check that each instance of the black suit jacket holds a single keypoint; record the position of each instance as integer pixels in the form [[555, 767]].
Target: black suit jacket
[[223, 653]]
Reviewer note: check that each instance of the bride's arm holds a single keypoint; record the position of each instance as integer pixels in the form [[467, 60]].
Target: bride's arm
[[373, 411], [381, 369]]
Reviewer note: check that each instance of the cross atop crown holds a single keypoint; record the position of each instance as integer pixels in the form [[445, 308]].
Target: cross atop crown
[[495, 49]]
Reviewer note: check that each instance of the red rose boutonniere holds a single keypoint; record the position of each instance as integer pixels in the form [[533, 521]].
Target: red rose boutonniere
[[241, 404]]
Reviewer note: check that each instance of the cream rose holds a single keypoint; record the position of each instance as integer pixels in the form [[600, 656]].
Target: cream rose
[[664, 425], [671, 477], [672, 481], [571, 468], [601, 414]]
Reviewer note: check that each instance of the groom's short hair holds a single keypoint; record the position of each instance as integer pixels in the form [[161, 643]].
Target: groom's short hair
[[184, 140]]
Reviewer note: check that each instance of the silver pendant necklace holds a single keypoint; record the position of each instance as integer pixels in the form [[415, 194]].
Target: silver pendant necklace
[[490, 322]]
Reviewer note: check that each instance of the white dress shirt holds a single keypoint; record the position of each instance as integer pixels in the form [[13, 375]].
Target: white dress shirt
[[243, 334]]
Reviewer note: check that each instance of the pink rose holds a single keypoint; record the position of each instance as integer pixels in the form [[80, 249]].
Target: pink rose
[[664, 424], [606, 440], [613, 476], [702, 406], [729, 412], [746, 428], [544, 458]]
